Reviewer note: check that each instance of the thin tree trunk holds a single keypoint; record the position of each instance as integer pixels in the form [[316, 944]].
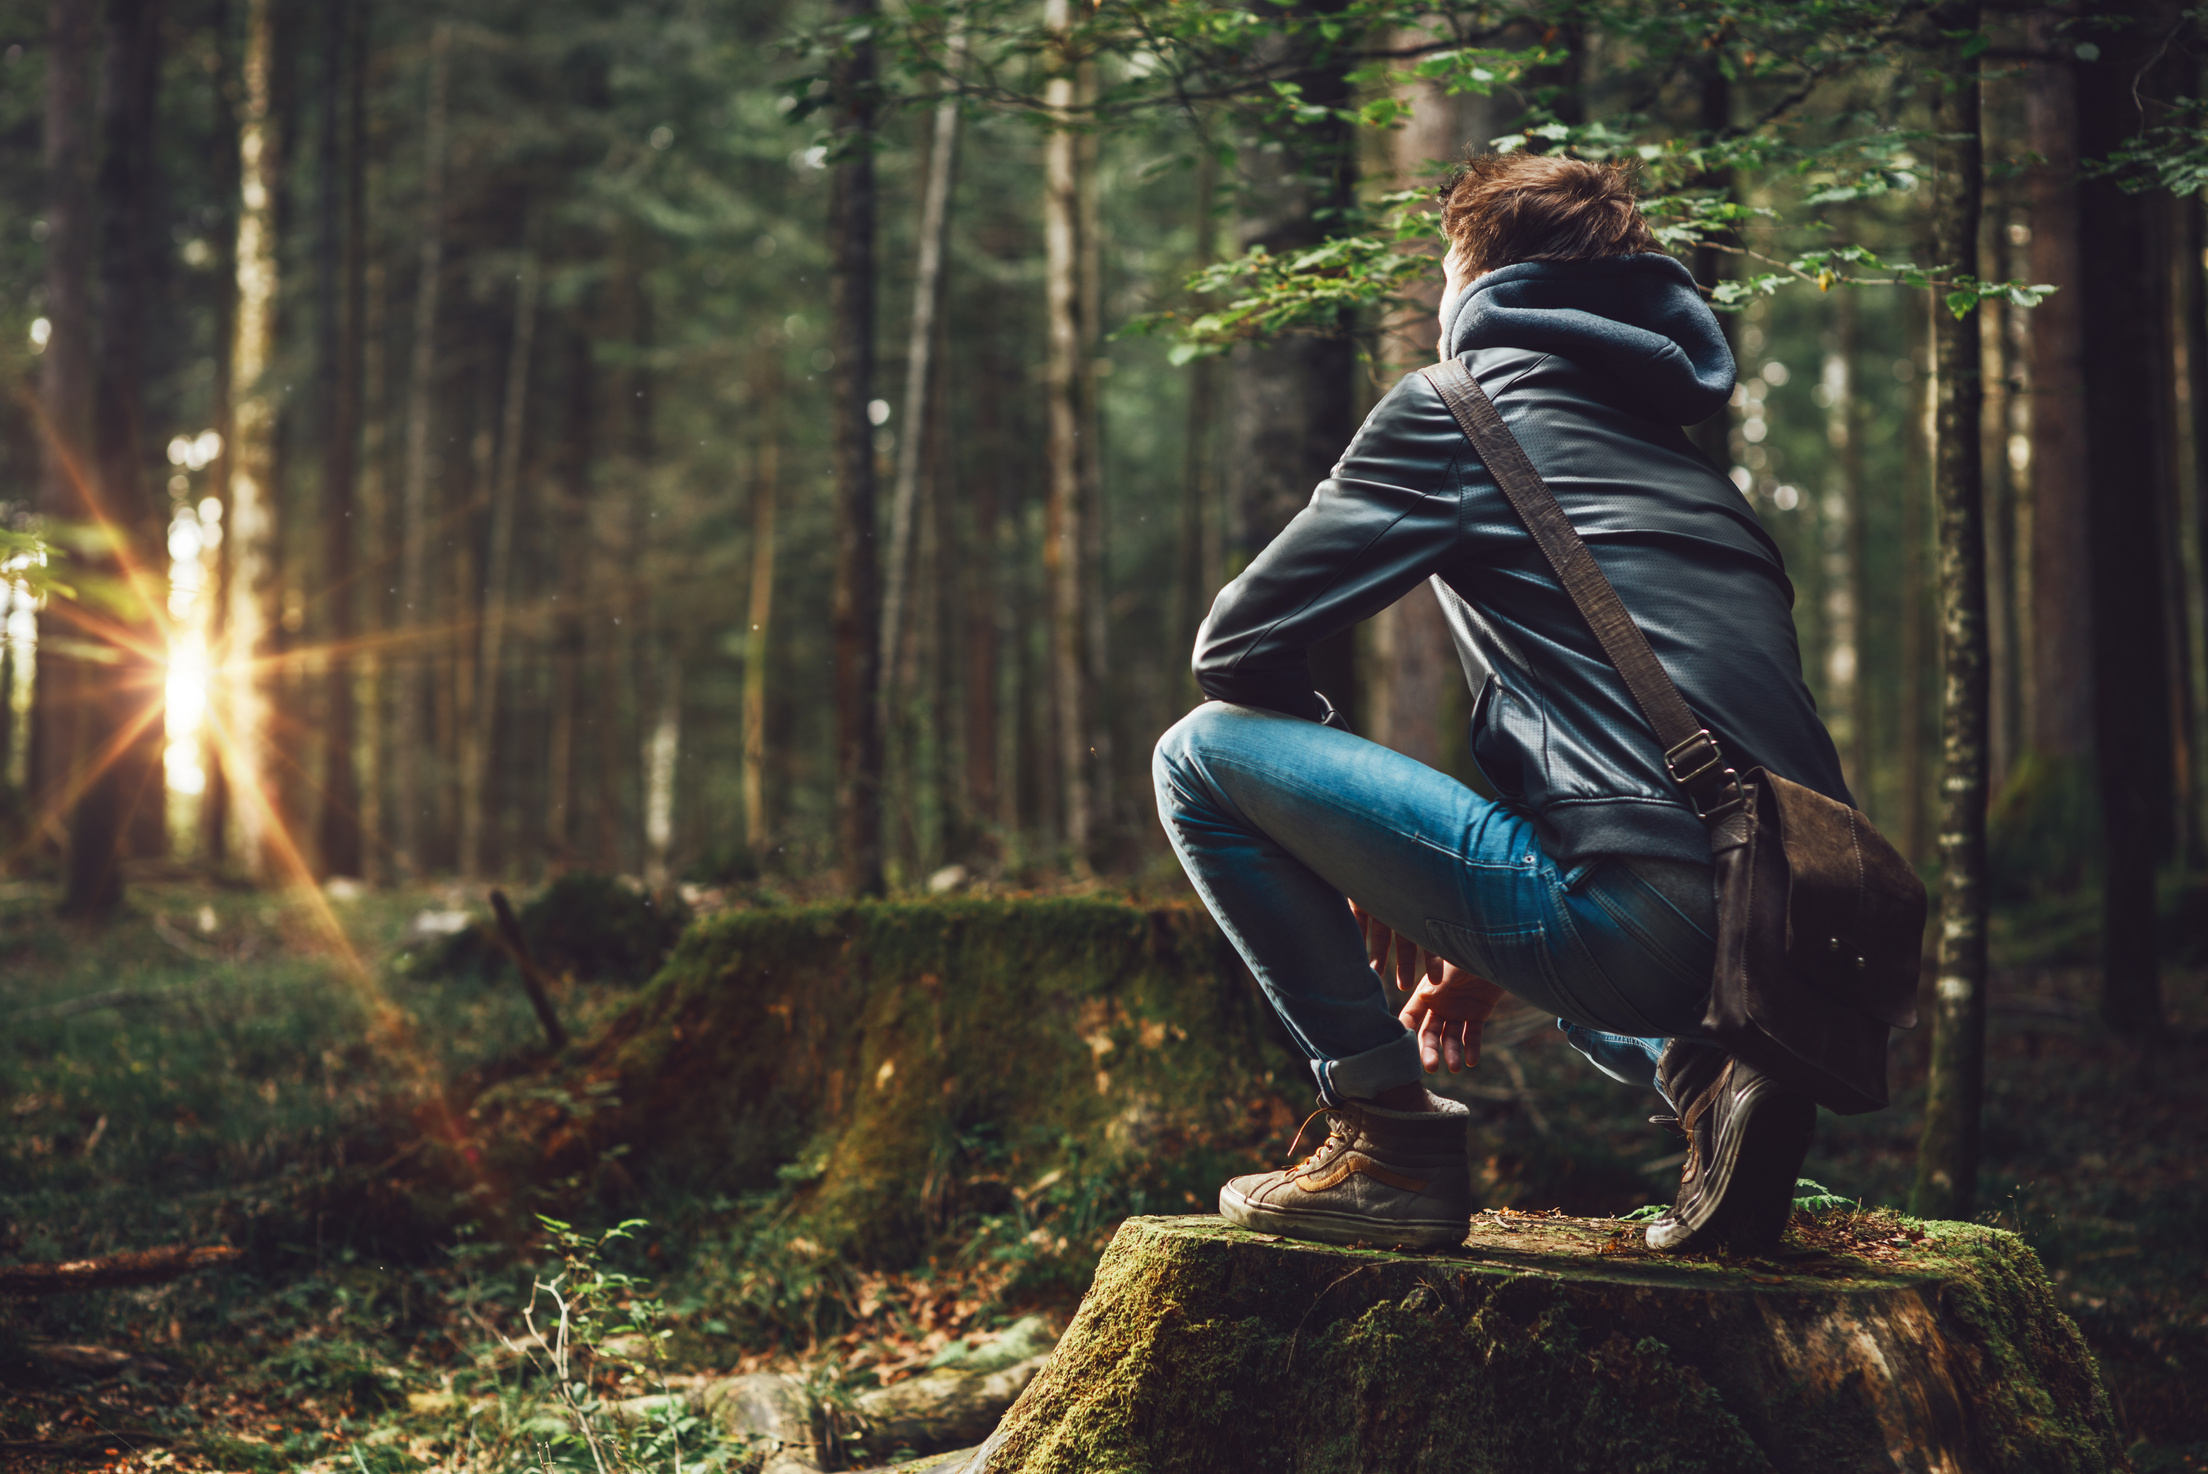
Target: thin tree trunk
[[662, 763], [2059, 722], [475, 808], [1844, 603], [567, 622], [765, 489], [914, 438], [65, 382], [1096, 591], [1714, 114], [375, 521], [857, 607], [1406, 688], [129, 95], [2126, 358], [413, 612], [1947, 1157], [341, 249], [249, 526], [1916, 450], [2002, 703], [1064, 556], [213, 819], [1197, 534]]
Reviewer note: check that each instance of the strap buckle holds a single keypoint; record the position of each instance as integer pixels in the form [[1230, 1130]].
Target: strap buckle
[[1696, 765]]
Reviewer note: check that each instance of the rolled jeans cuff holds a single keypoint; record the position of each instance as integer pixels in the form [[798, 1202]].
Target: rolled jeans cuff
[[1363, 1076]]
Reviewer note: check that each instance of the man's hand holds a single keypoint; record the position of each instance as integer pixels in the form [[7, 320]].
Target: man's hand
[[1448, 1012], [1448, 1005]]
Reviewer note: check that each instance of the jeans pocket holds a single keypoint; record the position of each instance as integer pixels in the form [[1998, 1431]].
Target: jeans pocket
[[1519, 959]]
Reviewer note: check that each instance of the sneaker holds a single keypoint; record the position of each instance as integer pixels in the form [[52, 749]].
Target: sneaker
[[1746, 1138], [1381, 1176]]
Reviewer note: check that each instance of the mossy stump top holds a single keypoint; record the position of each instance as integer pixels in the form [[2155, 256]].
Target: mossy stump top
[[1869, 1342]]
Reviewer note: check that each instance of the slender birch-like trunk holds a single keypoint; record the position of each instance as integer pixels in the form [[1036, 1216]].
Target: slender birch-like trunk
[[341, 247], [413, 613], [914, 437], [1064, 556], [475, 808], [765, 478], [1947, 1156], [856, 614], [249, 527]]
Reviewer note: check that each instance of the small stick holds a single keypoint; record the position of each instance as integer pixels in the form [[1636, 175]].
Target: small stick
[[140, 1267], [532, 976]]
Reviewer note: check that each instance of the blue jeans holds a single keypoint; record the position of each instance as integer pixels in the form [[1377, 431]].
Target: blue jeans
[[1278, 820]]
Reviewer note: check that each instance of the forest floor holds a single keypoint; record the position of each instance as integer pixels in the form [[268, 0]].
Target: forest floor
[[220, 1063]]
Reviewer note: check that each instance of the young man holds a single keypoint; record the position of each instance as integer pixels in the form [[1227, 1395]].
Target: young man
[[1586, 890]]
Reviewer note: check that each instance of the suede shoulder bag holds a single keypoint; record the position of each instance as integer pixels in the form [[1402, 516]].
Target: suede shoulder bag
[[1820, 921]]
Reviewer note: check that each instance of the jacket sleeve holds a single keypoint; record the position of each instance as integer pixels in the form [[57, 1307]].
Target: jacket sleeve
[[1386, 518]]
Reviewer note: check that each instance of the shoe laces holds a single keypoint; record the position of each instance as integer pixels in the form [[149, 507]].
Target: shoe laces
[[1338, 1126]]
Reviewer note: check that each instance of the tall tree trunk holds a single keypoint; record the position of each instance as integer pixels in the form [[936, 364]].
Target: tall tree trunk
[[857, 607], [1947, 1158], [561, 767], [1917, 449], [2003, 704], [65, 398], [1413, 664], [1096, 589], [341, 237], [227, 171], [914, 439], [2126, 360], [1714, 116], [375, 522], [130, 85], [662, 763], [1844, 572], [1197, 535], [249, 526], [476, 798], [1065, 560], [1292, 406], [2059, 721], [765, 489], [413, 614]]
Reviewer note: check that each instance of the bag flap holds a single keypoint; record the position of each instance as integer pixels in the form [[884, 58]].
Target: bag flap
[[1855, 908]]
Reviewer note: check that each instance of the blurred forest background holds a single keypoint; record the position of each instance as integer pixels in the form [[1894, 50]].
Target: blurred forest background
[[438, 409], [781, 451]]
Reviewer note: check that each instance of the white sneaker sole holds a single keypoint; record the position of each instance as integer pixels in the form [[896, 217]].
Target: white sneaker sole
[[1343, 1228]]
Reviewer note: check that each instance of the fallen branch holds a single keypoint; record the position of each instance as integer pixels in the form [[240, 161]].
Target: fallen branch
[[533, 977], [91, 1003], [111, 1271]]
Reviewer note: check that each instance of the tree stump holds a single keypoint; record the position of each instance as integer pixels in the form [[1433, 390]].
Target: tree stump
[[1870, 1342]]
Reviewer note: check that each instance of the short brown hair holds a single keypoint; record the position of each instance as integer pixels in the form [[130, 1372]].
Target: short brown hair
[[1498, 209]]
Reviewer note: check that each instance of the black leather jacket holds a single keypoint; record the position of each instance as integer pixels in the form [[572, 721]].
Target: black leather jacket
[[1593, 365]]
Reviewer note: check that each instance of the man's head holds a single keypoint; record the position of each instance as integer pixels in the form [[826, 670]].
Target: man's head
[[1500, 209]]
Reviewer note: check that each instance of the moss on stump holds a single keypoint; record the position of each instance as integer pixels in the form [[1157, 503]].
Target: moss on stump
[[1548, 1343]]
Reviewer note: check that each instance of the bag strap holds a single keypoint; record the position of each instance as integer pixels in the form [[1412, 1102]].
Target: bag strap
[[1691, 754]]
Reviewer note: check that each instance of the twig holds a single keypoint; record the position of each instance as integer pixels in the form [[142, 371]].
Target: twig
[[91, 1003], [533, 977], [141, 1267]]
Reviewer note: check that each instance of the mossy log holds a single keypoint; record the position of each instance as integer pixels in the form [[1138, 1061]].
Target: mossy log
[[1547, 1343]]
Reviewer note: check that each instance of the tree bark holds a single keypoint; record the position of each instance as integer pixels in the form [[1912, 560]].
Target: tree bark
[[249, 526], [65, 388], [1845, 599], [1947, 1157], [413, 614], [1714, 115], [1065, 560], [1413, 662], [1940, 1348], [476, 800], [375, 523], [341, 232], [130, 86], [856, 614], [765, 490], [2125, 355], [2059, 719], [915, 435], [1917, 450], [573, 518], [1198, 532]]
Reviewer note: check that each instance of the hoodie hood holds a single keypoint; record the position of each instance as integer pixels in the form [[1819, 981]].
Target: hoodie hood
[[1637, 320]]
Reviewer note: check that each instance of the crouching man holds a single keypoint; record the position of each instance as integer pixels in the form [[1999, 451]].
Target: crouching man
[[1586, 889]]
